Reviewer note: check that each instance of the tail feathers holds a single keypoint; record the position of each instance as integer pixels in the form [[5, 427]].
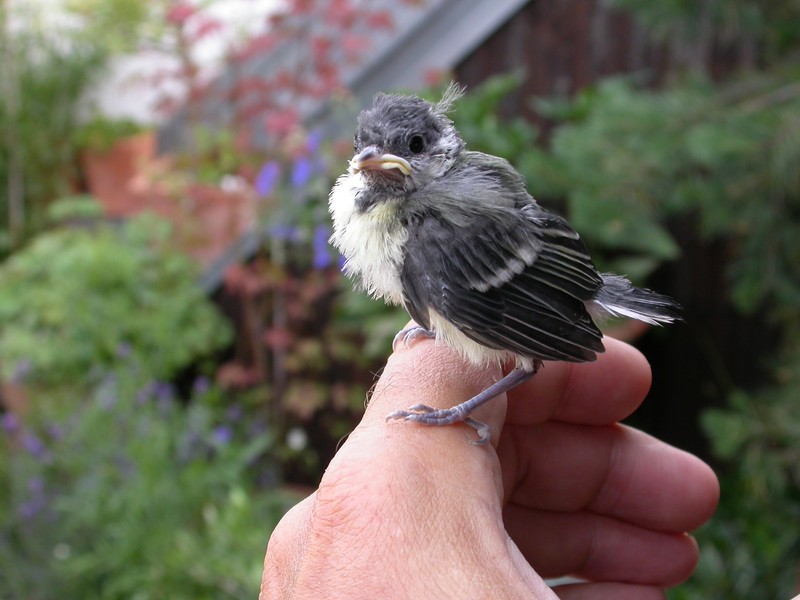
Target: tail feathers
[[620, 298]]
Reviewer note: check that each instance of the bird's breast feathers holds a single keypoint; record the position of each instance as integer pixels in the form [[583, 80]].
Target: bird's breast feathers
[[372, 241]]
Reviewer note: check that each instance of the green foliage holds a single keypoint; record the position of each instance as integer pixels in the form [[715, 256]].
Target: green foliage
[[134, 496], [214, 155], [376, 322], [74, 208], [771, 26], [76, 301], [747, 551], [43, 80], [115, 25], [727, 156], [100, 133], [44, 76], [477, 117]]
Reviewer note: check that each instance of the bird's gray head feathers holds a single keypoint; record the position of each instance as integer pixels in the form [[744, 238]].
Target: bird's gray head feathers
[[452, 94], [405, 141]]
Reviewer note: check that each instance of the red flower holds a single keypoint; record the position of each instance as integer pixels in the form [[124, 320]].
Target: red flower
[[281, 122], [380, 19], [204, 28], [180, 12]]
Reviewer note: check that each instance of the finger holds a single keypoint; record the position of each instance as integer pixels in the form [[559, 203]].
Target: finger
[[600, 548], [612, 470], [285, 551], [596, 393], [608, 591]]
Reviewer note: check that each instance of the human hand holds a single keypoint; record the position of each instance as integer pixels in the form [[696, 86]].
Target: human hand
[[409, 511]]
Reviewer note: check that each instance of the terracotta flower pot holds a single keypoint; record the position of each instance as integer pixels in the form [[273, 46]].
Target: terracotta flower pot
[[109, 173]]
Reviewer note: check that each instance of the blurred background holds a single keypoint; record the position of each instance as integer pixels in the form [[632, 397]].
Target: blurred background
[[179, 352]]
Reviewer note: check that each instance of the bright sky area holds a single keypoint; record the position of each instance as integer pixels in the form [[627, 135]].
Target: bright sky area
[[126, 91]]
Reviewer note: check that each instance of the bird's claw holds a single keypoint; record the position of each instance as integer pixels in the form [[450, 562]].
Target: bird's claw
[[411, 412], [410, 334], [427, 415]]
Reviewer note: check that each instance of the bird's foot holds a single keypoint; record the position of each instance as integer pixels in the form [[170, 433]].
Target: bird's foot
[[409, 334], [427, 415]]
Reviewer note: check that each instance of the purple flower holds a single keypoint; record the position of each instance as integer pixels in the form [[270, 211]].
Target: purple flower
[[234, 412], [267, 178], [164, 391], [36, 499], [124, 350], [314, 141], [10, 423], [107, 394], [289, 233], [36, 486], [201, 385], [257, 427], [302, 171], [30, 508], [222, 434], [34, 446], [125, 467], [322, 253], [22, 369], [55, 431], [145, 393], [164, 394]]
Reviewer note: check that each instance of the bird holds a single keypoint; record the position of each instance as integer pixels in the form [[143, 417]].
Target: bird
[[454, 236]]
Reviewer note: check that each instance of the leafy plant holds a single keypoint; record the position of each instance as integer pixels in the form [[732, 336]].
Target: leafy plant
[[43, 81], [115, 25], [101, 133], [747, 551], [134, 495], [75, 302], [640, 157]]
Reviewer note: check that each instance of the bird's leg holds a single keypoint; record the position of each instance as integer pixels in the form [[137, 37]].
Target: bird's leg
[[409, 334], [421, 413]]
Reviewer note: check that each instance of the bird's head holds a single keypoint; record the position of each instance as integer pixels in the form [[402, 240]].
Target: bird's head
[[402, 143]]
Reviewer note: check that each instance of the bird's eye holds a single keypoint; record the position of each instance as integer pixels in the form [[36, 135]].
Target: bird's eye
[[416, 144]]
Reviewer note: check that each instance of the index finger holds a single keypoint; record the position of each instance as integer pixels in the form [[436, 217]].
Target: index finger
[[596, 393]]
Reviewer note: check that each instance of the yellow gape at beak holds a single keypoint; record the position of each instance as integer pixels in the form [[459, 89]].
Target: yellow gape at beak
[[370, 160]]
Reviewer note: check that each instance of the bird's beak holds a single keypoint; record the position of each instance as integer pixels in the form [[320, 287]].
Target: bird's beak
[[371, 160]]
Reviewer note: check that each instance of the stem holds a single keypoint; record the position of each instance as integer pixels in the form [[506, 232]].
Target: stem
[[9, 89]]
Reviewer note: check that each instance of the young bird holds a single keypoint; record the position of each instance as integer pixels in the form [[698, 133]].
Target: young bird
[[454, 237]]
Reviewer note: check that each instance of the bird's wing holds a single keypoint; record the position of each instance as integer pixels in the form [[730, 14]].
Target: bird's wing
[[514, 279]]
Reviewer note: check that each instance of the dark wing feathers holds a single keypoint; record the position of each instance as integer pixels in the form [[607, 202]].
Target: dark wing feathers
[[516, 284]]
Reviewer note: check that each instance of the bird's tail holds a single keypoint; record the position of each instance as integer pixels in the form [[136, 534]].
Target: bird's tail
[[620, 298]]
